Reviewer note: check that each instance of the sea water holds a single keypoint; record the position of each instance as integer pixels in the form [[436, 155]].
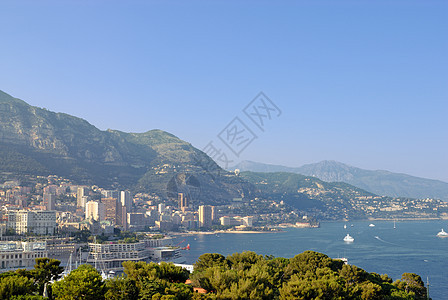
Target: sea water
[[411, 247]]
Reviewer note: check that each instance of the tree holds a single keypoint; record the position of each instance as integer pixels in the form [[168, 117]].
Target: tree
[[15, 286], [83, 283], [170, 272], [215, 279], [149, 288], [121, 288], [28, 297], [321, 284], [311, 261], [244, 260], [163, 271], [180, 291], [46, 270], [412, 284], [135, 270], [208, 260]]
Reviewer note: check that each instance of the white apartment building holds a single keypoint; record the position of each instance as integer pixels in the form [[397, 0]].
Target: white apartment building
[[40, 222], [81, 196], [236, 221], [126, 200], [95, 210], [205, 216]]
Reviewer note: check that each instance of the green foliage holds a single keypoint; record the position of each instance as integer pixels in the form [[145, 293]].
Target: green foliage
[[46, 270], [412, 284], [121, 288], [128, 240], [310, 261], [323, 284], [83, 283], [309, 275], [164, 271], [82, 236], [154, 281], [28, 297], [151, 287], [15, 285], [208, 260], [244, 260]]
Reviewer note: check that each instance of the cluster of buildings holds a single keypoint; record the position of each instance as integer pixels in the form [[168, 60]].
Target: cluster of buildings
[[57, 207]]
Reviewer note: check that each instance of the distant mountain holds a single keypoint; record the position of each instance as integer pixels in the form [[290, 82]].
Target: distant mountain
[[335, 200], [378, 182], [35, 141]]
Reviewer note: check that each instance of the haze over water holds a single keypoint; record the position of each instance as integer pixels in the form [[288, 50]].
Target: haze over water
[[412, 247]]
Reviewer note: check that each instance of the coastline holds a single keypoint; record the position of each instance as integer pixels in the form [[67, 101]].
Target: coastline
[[219, 232], [304, 227], [401, 219]]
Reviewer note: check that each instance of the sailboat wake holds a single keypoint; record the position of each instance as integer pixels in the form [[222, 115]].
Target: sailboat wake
[[386, 242]]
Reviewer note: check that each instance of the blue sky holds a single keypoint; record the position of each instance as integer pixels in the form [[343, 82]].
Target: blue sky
[[361, 82]]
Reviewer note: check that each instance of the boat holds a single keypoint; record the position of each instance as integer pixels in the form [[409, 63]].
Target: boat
[[344, 260], [442, 233], [109, 275], [371, 225], [348, 238], [394, 225], [345, 226]]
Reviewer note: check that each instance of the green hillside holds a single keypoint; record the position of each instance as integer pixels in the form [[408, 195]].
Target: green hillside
[[379, 182], [36, 141]]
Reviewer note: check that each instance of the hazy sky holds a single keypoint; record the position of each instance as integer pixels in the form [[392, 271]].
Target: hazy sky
[[361, 82]]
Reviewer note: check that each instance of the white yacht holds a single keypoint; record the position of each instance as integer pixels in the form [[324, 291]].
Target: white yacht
[[442, 233], [372, 225], [344, 260], [348, 238]]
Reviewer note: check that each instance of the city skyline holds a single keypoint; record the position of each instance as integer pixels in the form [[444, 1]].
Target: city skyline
[[363, 84]]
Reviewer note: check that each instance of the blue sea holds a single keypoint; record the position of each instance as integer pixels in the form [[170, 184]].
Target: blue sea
[[411, 247]]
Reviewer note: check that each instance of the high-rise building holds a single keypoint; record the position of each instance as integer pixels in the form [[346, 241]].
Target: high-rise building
[[136, 220], [49, 201], [126, 200], [95, 210], [205, 216], [81, 192], [123, 217], [182, 200], [110, 193], [84, 201], [112, 209], [161, 208], [213, 214]]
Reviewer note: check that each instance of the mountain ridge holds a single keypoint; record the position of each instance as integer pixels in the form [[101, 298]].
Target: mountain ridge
[[380, 182], [36, 141]]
